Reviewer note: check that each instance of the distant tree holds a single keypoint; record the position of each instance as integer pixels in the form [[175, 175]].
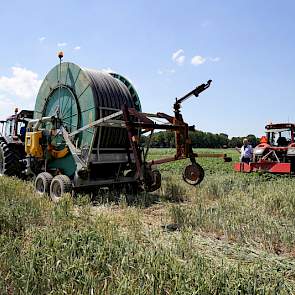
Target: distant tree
[[223, 140], [236, 142], [199, 139], [253, 139]]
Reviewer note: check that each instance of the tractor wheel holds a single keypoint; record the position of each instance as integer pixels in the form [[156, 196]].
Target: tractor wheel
[[60, 184], [9, 161], [42, 183], [193, 174]]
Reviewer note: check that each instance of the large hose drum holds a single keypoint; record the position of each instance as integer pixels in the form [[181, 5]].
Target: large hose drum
[[81, 96]]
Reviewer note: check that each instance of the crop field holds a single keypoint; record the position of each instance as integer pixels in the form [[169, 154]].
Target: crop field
[[233, 234]]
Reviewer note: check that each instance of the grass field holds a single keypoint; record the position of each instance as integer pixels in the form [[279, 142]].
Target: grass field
[[233, 234]]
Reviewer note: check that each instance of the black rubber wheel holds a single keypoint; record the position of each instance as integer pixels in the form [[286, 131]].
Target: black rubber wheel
[[153, 180], [60, 185], [9, 161], [42, 183], [193, 174]]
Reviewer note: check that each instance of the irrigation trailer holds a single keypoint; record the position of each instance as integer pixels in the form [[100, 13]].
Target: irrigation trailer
[[84, 134]]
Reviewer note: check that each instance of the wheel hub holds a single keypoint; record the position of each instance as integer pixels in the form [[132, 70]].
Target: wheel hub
[[40, 186]]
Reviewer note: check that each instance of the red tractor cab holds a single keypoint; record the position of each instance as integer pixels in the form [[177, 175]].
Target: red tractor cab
[[275, 153]]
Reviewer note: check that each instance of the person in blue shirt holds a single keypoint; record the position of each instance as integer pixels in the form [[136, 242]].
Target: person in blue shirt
[[246, 151]]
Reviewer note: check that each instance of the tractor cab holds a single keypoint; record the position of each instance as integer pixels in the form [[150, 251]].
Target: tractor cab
[[13, 130], [280, 135]]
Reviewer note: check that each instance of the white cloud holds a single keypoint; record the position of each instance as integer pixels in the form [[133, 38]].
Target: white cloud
[[77, 48], [198, 60], [178, 57], [5, 102], [23, 83], [18, 90], [41, 39], [180, 60], [177, 53], [214, 59], [7, 107], [62, 44]]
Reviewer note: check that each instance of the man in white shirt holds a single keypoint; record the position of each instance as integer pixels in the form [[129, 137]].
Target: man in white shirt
[[246, 151]]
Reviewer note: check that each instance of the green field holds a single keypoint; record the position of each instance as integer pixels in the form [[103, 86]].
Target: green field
[[233, 234]]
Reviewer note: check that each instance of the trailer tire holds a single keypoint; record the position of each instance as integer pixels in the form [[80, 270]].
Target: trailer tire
[[193, 174], [9, 161], [42, 183], [60, 185]]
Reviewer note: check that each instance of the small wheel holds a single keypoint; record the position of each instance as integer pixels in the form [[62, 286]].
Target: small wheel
[[153, 180], [42, 183], [193, 174], [60, 184]]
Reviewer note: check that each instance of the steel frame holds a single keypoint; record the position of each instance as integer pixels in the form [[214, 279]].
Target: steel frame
[[137, 123]]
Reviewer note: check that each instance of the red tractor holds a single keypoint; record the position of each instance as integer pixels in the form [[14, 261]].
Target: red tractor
[[275, 153], [12, 142]]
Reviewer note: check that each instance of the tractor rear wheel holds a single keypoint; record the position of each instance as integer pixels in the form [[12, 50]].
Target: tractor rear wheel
[[9, 161], [60, 184], [42, 183]]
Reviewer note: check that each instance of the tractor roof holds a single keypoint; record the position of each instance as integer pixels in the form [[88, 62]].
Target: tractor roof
[[24, 114], [279, 126]]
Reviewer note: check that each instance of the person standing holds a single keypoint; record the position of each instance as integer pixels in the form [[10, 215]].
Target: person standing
[[246, 152]]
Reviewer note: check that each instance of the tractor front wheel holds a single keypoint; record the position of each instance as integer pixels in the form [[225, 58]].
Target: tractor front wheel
[[60, 185]]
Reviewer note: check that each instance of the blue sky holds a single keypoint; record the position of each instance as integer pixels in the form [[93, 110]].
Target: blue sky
[[245, 47]]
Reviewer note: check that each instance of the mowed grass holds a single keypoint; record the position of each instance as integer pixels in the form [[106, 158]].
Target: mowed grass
[[233, 234]]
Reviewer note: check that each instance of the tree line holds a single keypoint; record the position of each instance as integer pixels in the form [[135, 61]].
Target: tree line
[[200, 139]]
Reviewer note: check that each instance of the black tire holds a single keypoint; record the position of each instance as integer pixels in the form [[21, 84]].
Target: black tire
[[9, 161], [153, 181], [193, 174], [60, 185], [42, 183]]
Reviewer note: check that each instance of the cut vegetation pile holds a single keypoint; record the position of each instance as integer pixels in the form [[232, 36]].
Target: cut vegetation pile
[[234, 234]]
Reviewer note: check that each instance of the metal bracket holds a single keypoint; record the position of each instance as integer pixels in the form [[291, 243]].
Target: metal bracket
[[74, 151]]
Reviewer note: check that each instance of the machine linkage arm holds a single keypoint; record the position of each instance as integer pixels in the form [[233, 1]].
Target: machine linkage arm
[[99, 122], [74, 151], [35, 123], [192, 155], [194, 92]]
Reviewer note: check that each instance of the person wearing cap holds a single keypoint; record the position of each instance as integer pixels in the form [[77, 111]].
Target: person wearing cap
[[246, 151]]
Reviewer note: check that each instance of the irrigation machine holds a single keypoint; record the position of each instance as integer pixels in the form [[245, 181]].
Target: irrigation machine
[[84, 134]]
